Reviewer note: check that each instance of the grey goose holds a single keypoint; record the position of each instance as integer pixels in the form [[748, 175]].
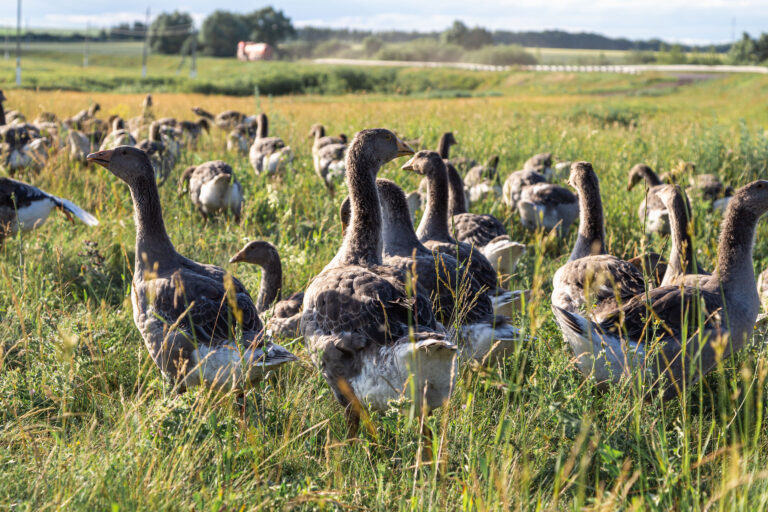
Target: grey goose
[[592, 278], [24, 208], [677, 331], [268, 154], [197, 321], [434, 232], [213, 188], [286, 313], [372, 340], [457, 298]]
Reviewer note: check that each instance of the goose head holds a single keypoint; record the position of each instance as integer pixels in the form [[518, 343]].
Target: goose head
[[377, 146], [118, 124], [126, 162], [583, 176], [752, 197], [258, 252], [147, 101], [394, 205], [449, 138], [2, 97], [316, 131], [424, 162], [637, 174]]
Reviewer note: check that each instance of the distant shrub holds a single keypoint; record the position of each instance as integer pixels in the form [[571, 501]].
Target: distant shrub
[[423, 49], [502, 55]]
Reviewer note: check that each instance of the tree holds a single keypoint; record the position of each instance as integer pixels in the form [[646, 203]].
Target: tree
[[269, 26], [221, 32], [467, 38], [743, 50], [169, 31], [372, 45]]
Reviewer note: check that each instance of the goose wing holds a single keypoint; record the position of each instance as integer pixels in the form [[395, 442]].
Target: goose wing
[[371, 304], [476, 229], [212, 314]]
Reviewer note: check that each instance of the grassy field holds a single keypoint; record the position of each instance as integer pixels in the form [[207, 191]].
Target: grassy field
[[116, 67], [87, 423]]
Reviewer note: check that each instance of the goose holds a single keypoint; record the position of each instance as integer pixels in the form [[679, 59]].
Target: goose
[[320, 139], [541, 163], [190, 131], [543, 205], [457, 298], [286, 314], [433, 230], [198, 322], [328, 155], [24, 207], [482, 181], [226, 120], [23, 148], [239, 139], [762, 289], [163, 159], [652, 212], [138, 125], [84, 115], [483, 231], [213, 188], [119, 136], [372, 341], [516, 182], [3, 99], [590, 275], [416, 198], [709, 188], [268, 154], [682, 266], [721, 314]]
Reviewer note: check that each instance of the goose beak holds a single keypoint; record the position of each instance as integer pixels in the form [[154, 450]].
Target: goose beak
[[240, 256], [403, 149], [101, 157], [408, 166]]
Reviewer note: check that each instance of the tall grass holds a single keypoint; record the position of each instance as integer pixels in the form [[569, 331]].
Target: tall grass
[[87, 423]]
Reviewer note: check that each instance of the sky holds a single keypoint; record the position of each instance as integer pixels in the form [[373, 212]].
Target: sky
[[684, 21]]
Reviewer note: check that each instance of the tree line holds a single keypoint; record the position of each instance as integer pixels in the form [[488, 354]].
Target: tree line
[[174, 33]]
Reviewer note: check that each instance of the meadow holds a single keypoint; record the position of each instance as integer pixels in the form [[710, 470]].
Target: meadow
[[87, 422]]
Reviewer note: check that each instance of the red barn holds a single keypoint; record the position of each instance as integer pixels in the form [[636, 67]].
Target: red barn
[[248, 50]]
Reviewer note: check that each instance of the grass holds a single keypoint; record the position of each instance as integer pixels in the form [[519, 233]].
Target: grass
[[87, 423]]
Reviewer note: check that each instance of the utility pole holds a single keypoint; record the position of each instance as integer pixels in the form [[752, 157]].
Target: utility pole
[[18, 42], [5, 46], [146, 47], [193, 67], [85, 48]]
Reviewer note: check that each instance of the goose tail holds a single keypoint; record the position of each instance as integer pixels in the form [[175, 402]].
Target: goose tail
[[503, 254], [70, 208]]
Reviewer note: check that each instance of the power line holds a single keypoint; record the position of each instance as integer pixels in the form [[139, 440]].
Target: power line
[[144, 53], [18, 42]]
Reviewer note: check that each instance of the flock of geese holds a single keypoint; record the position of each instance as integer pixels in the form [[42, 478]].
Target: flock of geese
[[398, 309]]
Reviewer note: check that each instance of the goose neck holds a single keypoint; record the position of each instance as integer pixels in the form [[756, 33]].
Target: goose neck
[[591, 236], [362, 241], [443, 147], [735, 269], [271, 283], [434, 222], [262, 129], [457, 200], [153, 245], [681, 256]]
